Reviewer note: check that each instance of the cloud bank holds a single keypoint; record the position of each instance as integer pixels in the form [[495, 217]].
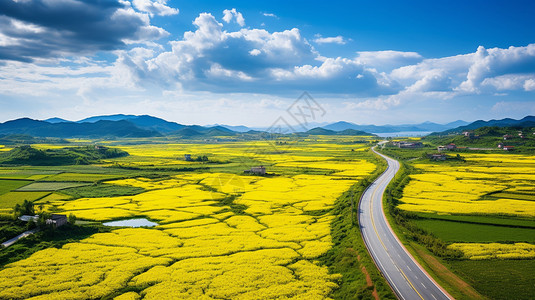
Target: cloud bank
[[219, 57]]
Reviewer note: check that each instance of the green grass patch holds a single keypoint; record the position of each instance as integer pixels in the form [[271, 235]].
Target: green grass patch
[[27, 155], [81, 177], [9, 200], [49, 186], [481, 219], [499, 279], [20, 173], [467, 232], [10, 185], [10, 229], [102, 190]]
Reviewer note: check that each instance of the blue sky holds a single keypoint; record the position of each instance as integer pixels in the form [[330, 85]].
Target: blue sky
[[236, 62]]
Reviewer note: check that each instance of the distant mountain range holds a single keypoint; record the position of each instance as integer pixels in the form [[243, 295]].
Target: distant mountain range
[[131, 126], [121, 125], [426, 126], [121, 128], [144, 121], [528, 121]]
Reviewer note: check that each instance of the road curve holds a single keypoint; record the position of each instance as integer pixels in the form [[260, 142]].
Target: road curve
[[406, 277]]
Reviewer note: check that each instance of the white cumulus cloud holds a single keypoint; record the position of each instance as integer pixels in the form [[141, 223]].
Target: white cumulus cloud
[[330, 40], [158, 7], [229, 15]]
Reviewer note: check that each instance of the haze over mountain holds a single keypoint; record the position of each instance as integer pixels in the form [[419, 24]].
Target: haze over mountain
[[426, 126]]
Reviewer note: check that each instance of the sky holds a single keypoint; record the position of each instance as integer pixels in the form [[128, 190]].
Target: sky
[[251, 62]]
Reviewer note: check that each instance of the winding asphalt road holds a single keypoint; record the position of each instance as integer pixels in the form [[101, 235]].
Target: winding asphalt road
[[405, 276]]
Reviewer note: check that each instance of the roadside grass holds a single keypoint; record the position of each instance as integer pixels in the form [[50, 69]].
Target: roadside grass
[[49, 186], [436, 267], [349, 253], [10, 185], [466, 279], [442, 274], [500, 279]]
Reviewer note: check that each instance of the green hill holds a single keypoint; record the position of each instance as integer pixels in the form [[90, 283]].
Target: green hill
[[27, 155], [489, 137]]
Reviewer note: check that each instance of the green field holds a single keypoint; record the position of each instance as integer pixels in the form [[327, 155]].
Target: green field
[[482, 219], [499, 279], [102, 190], [479, 197], [49, 186], [9, 200], [81, 177], [476, 233], [10, 185]]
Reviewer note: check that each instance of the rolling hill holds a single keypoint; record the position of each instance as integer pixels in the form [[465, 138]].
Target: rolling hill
[[528, 121], [65, 130], [143, 121], [323, 131]]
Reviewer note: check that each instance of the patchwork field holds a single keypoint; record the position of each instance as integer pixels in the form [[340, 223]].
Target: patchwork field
[[221, 234], [49, 186], [482, 206]]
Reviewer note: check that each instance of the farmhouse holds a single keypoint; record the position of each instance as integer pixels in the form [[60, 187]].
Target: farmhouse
[[256, 170], [57, 220], [507, 137], [451, 146], [508, 148], [441, 148]]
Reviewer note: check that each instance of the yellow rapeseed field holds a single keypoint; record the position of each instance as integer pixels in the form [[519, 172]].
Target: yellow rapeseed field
[[476, 251], [220, 235], [469, 188]]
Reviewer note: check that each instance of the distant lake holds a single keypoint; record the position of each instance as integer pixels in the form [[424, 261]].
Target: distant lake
[[403, 133], [131, 223]]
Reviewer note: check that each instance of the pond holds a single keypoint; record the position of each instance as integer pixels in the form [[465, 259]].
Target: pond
[[131, 223]]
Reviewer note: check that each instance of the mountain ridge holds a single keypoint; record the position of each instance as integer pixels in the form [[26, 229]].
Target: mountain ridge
[[527, 121]]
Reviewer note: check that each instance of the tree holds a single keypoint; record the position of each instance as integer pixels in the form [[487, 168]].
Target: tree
[[72, 218], [26, 208]]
